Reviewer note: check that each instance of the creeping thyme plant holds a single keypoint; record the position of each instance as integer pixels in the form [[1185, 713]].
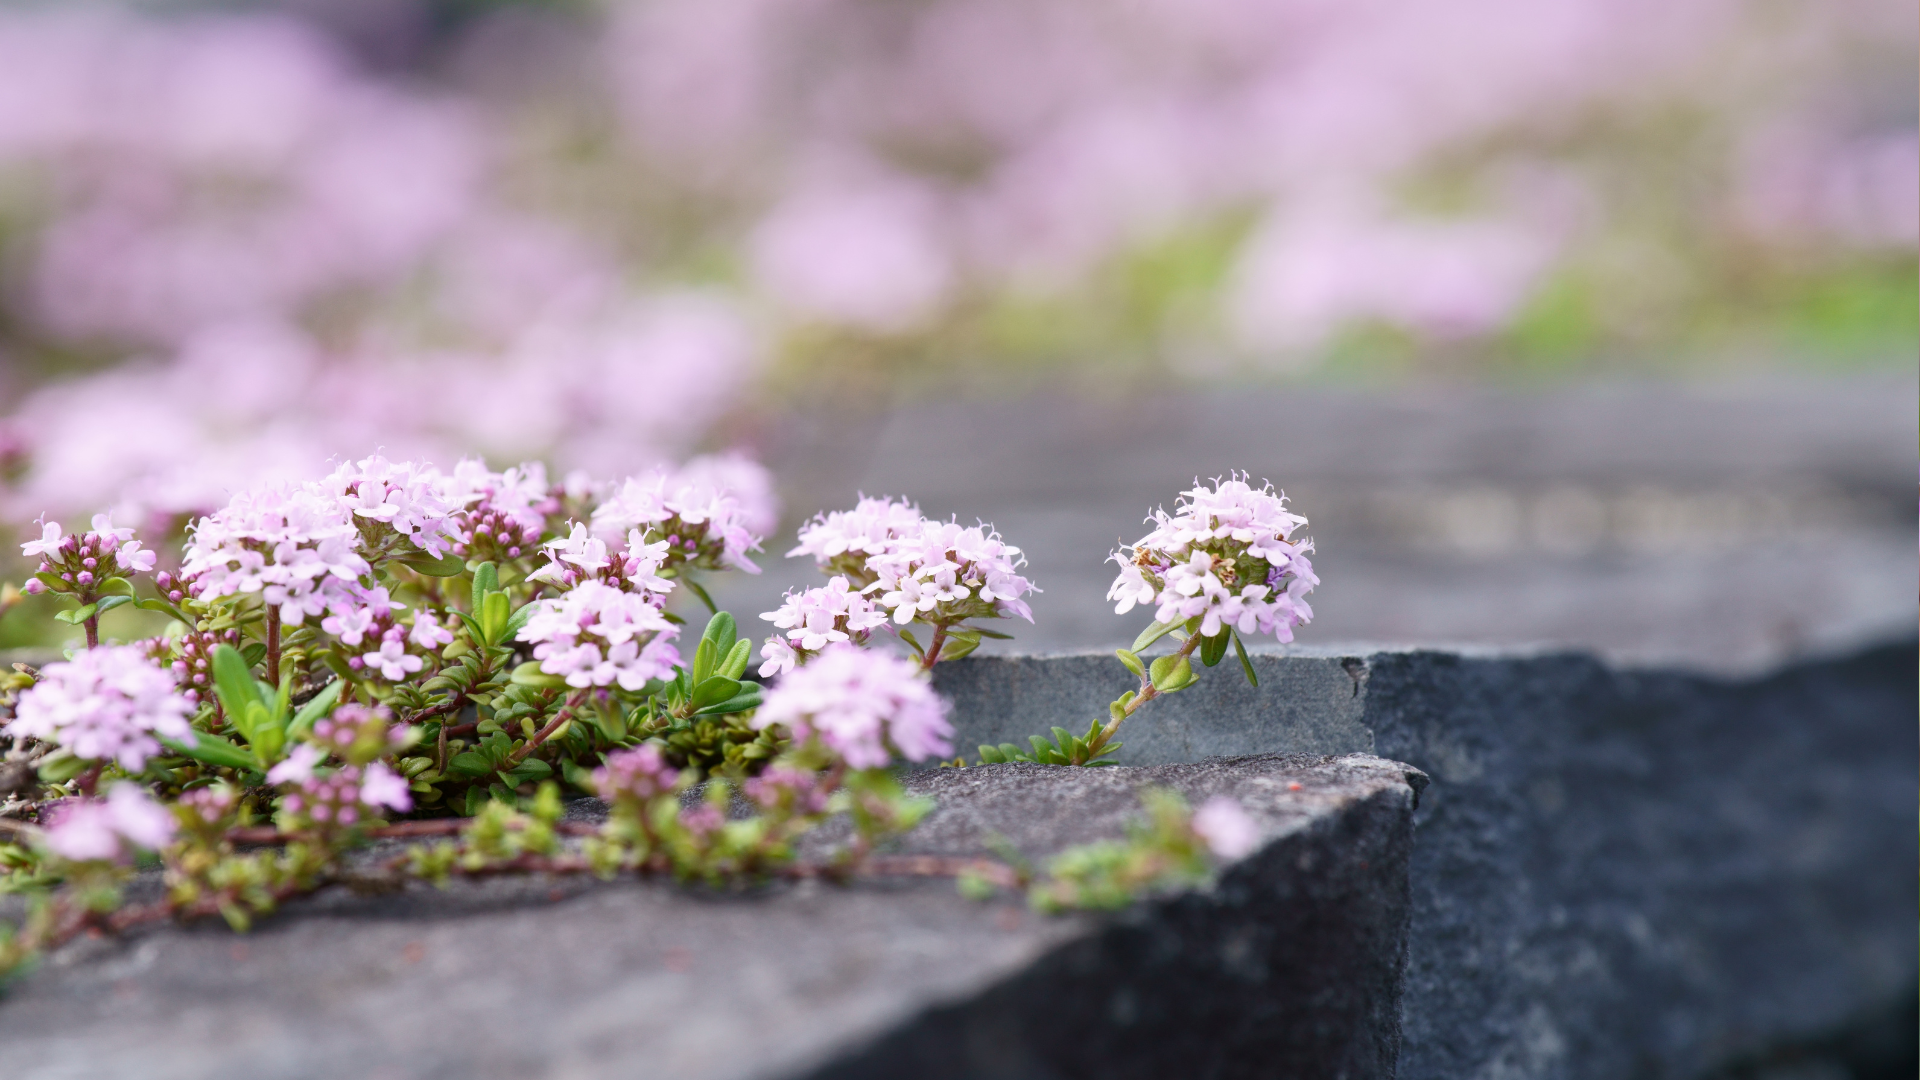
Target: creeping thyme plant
[[398, 651]]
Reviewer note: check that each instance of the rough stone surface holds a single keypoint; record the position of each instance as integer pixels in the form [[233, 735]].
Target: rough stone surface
[[1292, 962], [1617, 873]]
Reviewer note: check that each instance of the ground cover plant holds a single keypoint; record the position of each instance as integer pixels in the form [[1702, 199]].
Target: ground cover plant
[[397, 651]]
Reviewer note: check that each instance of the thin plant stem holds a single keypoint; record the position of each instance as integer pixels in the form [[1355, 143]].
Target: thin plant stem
[[273, 644]]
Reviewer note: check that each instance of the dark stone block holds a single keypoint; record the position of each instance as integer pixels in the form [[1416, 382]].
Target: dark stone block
[[1617, 873]]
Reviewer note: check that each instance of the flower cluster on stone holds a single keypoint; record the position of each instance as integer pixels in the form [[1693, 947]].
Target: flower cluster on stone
[[815, 618], [79, 564], [597, 635], [863, 705], [918, 568], [508, 510], [580, 556], [416, 501], [702, 523], [348, 795], [1225, 556], [105, 704], [110, 829]]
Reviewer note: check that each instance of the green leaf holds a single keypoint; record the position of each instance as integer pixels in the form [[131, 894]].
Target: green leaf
[[476, 800], [76, 616], [529, 674], [1246, 664], [253, 653], [445, 566], [116, 586], [316, 707], [991, 756], [703, 659], [52, 581], [1153, 633], [214, 751], [713, 691], [1214, 649], [486, 580], [906, 635], [959, 644], [532, 769], [984, 632], [61, 766], [722, 631], [233, 682], [735, 665], [517, 622], [1042, 749], [701, 593], [495, 617], [1062, 738], [1171, 673], [1132, 660], [747, 698], [165, 609], [469, 765], [1010, 752]]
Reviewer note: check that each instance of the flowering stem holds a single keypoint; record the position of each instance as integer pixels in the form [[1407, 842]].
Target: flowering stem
[[934, 646], [93, 631], [273, 644], [574, 701], [1147, 693]]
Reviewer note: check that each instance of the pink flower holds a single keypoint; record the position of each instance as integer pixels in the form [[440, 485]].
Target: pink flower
[[427, 633], [105, 703], [863, 705], [382, 787], [297, 766], [598, 635], [1226, 828], [391, 659], [640, 773], [100, 830], [1227, 557]]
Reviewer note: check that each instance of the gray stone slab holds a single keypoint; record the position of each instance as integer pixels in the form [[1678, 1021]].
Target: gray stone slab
[[1618, 872], [1293, 961]]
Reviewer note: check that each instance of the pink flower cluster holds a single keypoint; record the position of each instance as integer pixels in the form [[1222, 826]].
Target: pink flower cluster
[[597, 635], [347, 796], [104, 704], [814, 619], [919, 568], [509, 512], [578, 557], [110, 829], [416, 501], [1225, 557], [357, 734], [295, 544], [81, 562], [703, 521], [192, 662], [641, 773], [862, 705], [782, 787]]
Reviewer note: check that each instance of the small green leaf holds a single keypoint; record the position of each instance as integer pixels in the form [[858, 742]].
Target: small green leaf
[[531, 769], [747, 698], [1062, 738], [116, 586], [495, 617], [1132, 660], [959, 644], [214, 751], [701, 593], [164, 608], [735, 665], [469, 765], [61, 766], [984, 632], [703, 661], [445, 566], [253, 653], [1041, 747], [52, 581], [722, 631], [1152, 634], [990, 755], [906, 635], [517, 622], [1246, 664], [233, 682], [529, 674], [713, 691], [76, 616], [1171, 673], [486, 580], [1214, 649], [476, 800]]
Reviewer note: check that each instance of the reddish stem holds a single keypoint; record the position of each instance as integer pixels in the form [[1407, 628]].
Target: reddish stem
[[273, 644]]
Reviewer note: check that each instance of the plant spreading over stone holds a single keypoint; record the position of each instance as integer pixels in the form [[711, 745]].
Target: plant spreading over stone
[[397, 651]]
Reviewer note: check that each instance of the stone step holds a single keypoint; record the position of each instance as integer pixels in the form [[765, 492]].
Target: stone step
[[1617, 872], [1291, 962]]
